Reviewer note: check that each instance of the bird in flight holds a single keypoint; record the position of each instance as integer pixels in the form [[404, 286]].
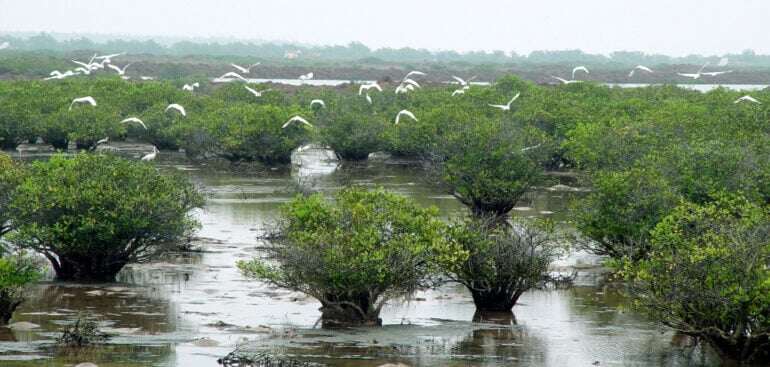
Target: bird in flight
[[135, 120], [297, 119], [243, 70], [307, 76], [694, 75], [414, 72], [747, 98], [120, 71], [255, 92], [405, 113], [579, 68], [191, 87], [458, 92], [565, 81], [317, 102], [639, 67], [716, 73], [233, 75], [82, 100], [367, 87], [462, 81], [506, 107], [177, 108]]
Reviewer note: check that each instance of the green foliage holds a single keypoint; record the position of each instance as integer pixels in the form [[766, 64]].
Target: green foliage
[[354, 253], [16, 271], [10, 176], [489, 166], [707, 275], [622, 208], [504, 260], [92, 214]]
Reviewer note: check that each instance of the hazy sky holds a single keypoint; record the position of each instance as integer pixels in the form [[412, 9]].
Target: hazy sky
[[674, 27]]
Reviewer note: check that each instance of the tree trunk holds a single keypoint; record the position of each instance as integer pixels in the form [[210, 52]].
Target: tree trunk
[[494, 301], [89, 269], [8, 304], [337, 312]]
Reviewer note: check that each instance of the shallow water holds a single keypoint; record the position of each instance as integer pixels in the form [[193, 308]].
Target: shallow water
[[191, 309]]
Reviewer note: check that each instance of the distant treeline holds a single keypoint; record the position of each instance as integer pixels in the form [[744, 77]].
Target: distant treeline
[[360, 52]]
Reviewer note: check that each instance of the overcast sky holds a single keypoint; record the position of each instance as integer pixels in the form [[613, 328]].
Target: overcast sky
[[674, 27]]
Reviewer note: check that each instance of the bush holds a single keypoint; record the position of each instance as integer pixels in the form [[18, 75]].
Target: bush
[[354, 253], [707, 275], [623, 207], [92, 214], [81, 333], [504, 260], [488, 168], [16, 271], [10, 176]]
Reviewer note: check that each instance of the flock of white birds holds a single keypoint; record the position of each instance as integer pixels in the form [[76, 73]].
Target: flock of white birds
[[407, 84]]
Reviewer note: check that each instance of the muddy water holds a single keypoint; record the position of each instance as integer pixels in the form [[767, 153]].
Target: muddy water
[[191, 309]]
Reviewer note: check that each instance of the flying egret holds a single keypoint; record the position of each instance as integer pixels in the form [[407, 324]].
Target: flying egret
[[190, 87], [87, 66], [255, 92], [242, 69], [414, 72], [151, 156], [412, 82], [88, 99], [462, 81], [716, 73], [118, 69], [318, 102], [405, 113], [579, 68], [147, 78], [506, 107], [107, 58], [56, 74], [690, 75], [231, 74], [307, 76], [176, 107], [367, 87], [565, 81], [747, 98], [136, 120], [639, 67], [296, 119], [368, 98], [723, 62], [85, 71], [4, 45], [103, 141], [458, 92]]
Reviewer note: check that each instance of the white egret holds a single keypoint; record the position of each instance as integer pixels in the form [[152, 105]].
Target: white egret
[[367, 87], [579, 68], [151, 156], [103, 141], [231, 74], [716, 73], [747, 98], [118, 69], [147, 77], [255, 92], [412, 82], [506, 107], [565, 81], [462, 81], [414, 72], [4, 45], [318, 102], [690, 75], [242, 69], [176, 107], [107, 58], [296, 119], [307, 76], [88, 99], [405, 113], [368, 98], [458, 92], [85, 71], [135, 120], [639, 67], [723, 62]]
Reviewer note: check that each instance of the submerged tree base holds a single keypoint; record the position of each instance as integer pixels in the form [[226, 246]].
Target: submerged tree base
[[494, 302], [342, 317], [495, 317], [8, 304]]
